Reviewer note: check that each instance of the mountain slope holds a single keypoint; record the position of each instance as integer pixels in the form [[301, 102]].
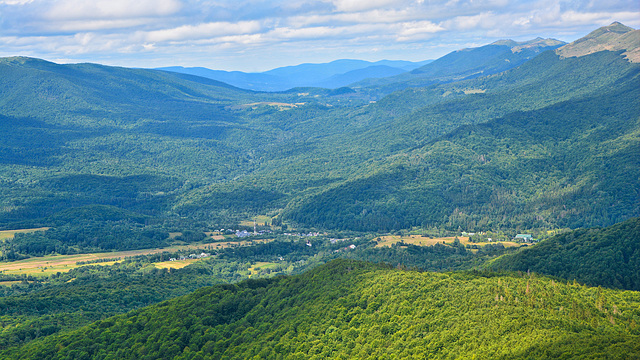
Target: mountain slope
[[348, 309], [95, 95], [462, 64], [251, 81], [82, 135], [614, 37], [374, 71], [608, 256], [524, 169]]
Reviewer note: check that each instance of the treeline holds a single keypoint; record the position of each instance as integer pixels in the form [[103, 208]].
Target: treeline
[[439, 257], [98, 261], [85, 236]]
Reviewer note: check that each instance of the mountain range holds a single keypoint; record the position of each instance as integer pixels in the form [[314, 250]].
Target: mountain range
[[385, 75], [548, 143], [331, 75]]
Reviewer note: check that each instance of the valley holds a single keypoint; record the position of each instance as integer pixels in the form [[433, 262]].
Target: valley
[[485, 204]]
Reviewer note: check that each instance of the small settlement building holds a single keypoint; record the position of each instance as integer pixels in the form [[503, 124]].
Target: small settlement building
[[523, 238]]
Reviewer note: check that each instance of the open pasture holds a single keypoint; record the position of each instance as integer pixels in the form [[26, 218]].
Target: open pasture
[[51, 264], [261, 265], [9, 234], [260, 220], [419, 240]]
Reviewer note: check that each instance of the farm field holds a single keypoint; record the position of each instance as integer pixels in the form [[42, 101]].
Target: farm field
[[177, 264], [419, 240], [260, 265], [9, 234], [51, 264], [260, 221]]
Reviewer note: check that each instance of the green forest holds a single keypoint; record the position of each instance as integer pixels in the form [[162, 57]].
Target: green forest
[[348, 309], [598, 257]]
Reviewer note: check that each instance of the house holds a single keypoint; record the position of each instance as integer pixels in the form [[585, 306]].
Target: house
[[243, 233], [523, 237]]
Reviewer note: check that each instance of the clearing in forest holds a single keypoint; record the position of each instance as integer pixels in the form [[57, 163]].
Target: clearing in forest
[[9, 234], [420, 240], [259, 266]]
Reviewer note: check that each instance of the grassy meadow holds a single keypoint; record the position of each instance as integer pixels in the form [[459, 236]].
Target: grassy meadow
[[419, 240], [51, 264]]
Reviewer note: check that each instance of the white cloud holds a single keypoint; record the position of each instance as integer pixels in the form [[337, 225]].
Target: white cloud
[[110, 9], [73, 26], [485, 20], [417, 30], [108, 30], [201, 31], [581, 18], [368, 17], [15, 2], [361, 5]]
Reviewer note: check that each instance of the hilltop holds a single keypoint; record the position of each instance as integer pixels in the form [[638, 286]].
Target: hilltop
[[348, 309], [615, 37], [331, 75]]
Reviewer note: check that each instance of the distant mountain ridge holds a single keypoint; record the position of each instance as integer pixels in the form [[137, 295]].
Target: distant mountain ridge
[[462, 64], [330, 75], [615, 37]]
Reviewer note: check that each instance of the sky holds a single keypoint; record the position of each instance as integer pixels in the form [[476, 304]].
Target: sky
[[258, 35]]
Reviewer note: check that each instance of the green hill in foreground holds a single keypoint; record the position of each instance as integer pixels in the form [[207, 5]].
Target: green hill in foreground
[[609, 256], [348, 309]]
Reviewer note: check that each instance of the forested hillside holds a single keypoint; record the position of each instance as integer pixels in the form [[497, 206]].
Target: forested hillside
[[349, 309], [550, 143], [597, 256], [463, 64], [569, 163]]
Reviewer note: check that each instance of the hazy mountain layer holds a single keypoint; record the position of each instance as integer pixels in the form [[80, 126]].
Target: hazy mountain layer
[[329, 75]]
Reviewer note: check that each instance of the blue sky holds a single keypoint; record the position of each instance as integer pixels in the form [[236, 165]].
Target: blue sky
[[257, 35]]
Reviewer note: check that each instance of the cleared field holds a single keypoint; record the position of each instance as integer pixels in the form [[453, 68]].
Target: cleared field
[[9, 234], [425, 241], [51, 264], [178, 264], [260, 221], [261, 265]]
